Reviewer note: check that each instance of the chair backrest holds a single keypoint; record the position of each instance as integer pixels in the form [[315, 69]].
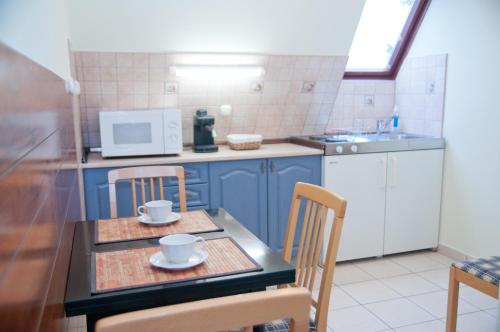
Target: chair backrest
[[145, 174], [218, 314], [319, 201]]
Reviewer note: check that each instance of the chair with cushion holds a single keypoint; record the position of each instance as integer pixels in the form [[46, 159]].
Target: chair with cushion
[[145, 174], [218, 314], [318, 202], [481, 274]]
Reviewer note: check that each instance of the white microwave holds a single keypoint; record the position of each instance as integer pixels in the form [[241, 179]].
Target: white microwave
[[139, 133]]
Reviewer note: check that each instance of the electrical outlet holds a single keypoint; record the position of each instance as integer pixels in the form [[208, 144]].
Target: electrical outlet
[[171, 88], [369, 100], [257, 87], [308, 86]]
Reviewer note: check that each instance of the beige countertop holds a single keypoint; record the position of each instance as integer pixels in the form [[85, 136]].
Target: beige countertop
[[188, 156]]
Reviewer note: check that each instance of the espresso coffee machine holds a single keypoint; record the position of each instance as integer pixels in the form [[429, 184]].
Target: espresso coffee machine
[[204, 132]]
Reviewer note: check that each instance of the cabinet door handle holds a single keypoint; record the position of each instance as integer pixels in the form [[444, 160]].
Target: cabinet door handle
[[272, 167], [262, 167], [394, 175]]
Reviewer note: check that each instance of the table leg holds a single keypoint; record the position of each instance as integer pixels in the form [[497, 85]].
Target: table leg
[[91, 321]]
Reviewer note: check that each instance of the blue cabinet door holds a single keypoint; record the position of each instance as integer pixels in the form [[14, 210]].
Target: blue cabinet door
[[284, 173], [240, 187], [97, 191]]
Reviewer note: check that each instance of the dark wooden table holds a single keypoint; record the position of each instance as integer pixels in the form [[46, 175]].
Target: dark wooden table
[[80, 301]]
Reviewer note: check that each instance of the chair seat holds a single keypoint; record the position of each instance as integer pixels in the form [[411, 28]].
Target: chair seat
[[283, 325], [487, 269]]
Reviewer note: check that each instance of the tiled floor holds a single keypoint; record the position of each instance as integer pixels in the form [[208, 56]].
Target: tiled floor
[[402, 293]]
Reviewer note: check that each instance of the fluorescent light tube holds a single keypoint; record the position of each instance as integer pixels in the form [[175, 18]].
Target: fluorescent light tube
[[217, 72]]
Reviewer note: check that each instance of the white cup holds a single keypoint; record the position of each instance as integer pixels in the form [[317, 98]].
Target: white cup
[[156, 210], [178, 248]]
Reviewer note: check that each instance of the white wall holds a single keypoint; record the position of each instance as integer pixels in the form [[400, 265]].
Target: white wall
[[318, 27], [469, 32], [39, 30]]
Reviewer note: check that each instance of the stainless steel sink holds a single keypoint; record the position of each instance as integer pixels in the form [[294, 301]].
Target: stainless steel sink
[[371, 142], [391, 136]]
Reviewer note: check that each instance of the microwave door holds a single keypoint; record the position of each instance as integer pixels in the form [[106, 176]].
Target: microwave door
[[133, 134]]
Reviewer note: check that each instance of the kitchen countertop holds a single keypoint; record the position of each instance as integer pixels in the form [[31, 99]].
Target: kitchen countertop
[[95, 160]]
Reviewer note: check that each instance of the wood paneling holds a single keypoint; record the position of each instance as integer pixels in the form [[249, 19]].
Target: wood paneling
[[38, 194]]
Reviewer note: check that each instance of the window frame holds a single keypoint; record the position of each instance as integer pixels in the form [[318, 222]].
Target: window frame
[[410, 29]]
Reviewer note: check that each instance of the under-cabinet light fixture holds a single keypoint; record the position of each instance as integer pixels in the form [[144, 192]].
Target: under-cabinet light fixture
[[218, 71]]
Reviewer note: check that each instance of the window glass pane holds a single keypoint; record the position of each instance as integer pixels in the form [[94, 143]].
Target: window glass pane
[[378, 33]]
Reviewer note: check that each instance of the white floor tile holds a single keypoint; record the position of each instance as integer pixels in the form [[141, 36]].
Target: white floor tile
[[440, 258], [492, 312], [399, 312], [436, 303], [354, 319], [476, 322], [370, 291], [348, 274], [439, 277], [417, 262], [382, 268], [411, 284], [432, 326], [478, 299], [338, 299]]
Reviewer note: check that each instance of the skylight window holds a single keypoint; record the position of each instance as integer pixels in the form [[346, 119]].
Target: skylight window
[[382, 37]]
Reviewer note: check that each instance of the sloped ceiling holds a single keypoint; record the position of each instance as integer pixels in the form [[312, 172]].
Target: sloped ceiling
[[320, 27], [38, 30]]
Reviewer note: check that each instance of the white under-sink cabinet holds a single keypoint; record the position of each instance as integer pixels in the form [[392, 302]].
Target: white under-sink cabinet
[[393, 201], [360, 179], [413, 200]]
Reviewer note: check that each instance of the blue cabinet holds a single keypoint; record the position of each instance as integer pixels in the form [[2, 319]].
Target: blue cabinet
[[258, 193], [240, 187], [284, 173], [97, 191]]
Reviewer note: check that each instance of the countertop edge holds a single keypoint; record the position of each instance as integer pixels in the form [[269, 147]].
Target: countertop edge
[[279, 150]]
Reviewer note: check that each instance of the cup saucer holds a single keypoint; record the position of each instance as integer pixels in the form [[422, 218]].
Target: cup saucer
[[159, 260], [173, 217]]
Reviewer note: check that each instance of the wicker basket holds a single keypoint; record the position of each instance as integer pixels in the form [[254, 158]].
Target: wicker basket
[[244, 142]]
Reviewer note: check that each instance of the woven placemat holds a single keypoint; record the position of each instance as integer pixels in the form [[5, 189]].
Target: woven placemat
[[126, 229], [130, 268]]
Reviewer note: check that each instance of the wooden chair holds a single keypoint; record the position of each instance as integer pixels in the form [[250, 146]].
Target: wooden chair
[[318, 202], [481, 274], [218, 314], [143, 174]]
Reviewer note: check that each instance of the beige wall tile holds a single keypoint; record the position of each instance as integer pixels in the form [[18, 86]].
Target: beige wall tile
[[137, 81]]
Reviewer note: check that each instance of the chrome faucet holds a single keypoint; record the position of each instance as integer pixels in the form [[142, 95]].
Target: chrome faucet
[[383, 124]]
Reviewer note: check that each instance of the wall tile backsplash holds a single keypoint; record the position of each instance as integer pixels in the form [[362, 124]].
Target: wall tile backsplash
[[420, 90], [360, 103], [295, 96], [298, 95]]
